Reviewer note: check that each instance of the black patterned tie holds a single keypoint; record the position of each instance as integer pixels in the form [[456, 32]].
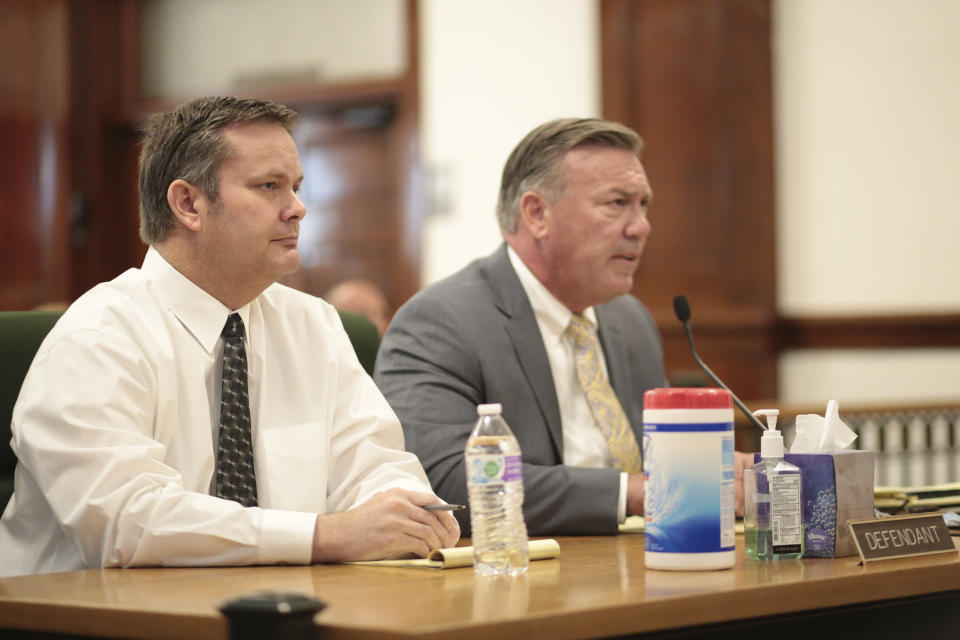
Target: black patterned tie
[[235, 478]]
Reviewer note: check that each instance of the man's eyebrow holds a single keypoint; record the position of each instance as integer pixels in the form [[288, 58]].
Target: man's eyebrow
[[623, 193], [277, 173], [628, 193]]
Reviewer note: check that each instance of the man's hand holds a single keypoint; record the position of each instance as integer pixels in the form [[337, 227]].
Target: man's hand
[[635, 492], [741, 461], [392, 524]]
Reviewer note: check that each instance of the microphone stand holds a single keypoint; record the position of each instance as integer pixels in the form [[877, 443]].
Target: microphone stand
[[682, 308]]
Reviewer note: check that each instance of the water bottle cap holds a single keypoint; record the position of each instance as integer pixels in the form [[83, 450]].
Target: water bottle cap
[[492, 409]]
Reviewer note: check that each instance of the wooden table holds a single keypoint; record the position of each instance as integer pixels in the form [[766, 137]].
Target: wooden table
[[598, 587]]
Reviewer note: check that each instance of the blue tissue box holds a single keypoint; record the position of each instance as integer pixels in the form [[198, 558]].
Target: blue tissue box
[[836, 487]]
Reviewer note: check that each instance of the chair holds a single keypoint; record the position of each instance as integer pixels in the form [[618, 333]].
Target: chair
[[363, 336], [21, 333]]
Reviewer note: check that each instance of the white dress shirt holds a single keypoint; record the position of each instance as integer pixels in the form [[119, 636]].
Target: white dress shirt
[[584, 444], [115, 431]]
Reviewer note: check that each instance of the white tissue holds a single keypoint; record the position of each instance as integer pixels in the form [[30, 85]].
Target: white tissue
[[816, 434]]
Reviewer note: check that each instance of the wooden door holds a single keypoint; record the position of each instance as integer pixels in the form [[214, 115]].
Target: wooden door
[[353, 194], [693, 77], [34, 153]]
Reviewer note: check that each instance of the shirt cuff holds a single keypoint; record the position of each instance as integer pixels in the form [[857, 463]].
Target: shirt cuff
[[622, 504], [286, 537]]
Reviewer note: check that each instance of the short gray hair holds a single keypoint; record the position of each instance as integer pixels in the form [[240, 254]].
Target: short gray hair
[[187, 143], [536, 163]]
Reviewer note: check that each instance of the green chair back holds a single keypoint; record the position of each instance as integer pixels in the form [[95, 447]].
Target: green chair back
[[21, 333], [363, 336]]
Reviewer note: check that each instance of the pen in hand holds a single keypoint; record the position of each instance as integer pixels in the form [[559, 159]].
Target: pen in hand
[[443, 507]]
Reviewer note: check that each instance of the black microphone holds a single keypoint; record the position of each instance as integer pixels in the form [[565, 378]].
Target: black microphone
[[682, 309]]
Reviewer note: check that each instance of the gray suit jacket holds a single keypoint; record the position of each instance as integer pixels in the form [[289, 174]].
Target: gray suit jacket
[[472, 338]]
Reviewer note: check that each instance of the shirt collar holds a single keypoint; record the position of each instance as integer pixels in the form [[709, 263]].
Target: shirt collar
[[200, 313], [552, 315]]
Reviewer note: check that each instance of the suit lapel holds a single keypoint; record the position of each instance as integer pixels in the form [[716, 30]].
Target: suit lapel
[[521, 326]]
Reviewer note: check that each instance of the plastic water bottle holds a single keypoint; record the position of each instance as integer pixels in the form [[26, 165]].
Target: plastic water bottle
[[495, 484]]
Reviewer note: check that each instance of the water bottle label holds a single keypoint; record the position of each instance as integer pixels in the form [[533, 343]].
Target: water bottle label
[[493, 469], [690, 487]]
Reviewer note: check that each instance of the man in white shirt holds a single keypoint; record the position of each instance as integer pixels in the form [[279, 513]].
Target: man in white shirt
[[545, 326], [125, 439]]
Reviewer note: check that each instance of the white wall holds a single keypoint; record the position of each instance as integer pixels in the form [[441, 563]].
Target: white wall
[[869, 376], [201, 47], [867, 94], [867, 134], [490, 72]]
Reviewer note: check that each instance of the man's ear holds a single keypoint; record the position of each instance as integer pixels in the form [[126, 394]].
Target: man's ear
[[535, 213], [188, 204]]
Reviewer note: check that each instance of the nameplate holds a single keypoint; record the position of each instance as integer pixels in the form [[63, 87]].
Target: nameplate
[[901, 537]]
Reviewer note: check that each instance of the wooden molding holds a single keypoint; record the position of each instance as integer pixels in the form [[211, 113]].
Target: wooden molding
[[823, 332], [870, 332], [311, 96], [411, 181]]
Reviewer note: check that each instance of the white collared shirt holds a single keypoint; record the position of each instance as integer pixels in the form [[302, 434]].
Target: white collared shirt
[[115, 431], [584, 445]]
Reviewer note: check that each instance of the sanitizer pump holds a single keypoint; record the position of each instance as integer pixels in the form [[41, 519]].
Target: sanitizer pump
[[772, 522]]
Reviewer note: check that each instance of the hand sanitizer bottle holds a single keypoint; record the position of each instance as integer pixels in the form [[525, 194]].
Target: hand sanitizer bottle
[[772, 522]]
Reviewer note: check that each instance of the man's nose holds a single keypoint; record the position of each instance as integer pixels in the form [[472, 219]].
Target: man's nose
[[638, 226], [296, 210]]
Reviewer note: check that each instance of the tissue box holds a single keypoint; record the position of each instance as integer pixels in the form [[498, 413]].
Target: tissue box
[[837, 487]]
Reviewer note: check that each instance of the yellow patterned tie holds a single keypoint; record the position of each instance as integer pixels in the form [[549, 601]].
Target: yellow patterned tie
[[606, 409]]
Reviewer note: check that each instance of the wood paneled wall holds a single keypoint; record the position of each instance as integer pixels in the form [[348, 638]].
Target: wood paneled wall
[[693, 77], [104, 142], [34, 161]]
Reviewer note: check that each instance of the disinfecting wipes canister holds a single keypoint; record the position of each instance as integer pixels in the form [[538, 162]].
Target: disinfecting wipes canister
[[689, 467]]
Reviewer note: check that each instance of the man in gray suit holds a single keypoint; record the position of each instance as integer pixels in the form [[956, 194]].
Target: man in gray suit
[[573, 215]]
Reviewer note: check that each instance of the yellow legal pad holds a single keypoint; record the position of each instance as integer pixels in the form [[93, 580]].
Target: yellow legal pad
[[913, 499], [455, 557]]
